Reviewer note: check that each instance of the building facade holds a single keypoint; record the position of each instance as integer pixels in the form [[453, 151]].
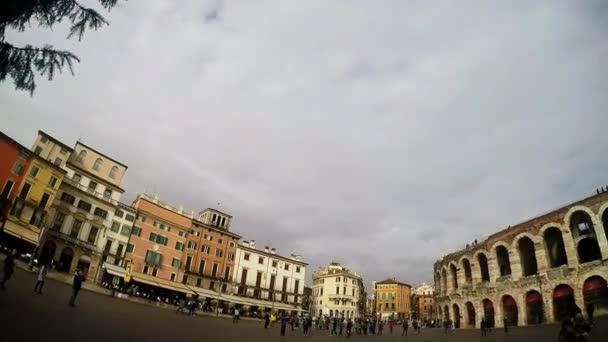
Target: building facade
[[393, 299], [537, 271], [337, 291], [13, 164], [423, 306], [267, 276]]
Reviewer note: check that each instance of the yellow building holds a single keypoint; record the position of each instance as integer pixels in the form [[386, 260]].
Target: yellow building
[[35, 195]]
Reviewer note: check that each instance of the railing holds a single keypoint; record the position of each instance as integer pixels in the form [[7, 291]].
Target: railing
[[86, 189], [72, 240], [341, 296]]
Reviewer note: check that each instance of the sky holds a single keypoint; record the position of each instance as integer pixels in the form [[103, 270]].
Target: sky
[[378, 134]]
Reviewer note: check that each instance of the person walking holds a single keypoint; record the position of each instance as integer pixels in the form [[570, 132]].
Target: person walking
[[380, 327], [406, 326], [266, 320], [349, 327], [391, 324], [9, 268], [305, 325], [237, 316], [482, 325], [416, 327], [334, 326], [284, 319], [40, 282], [506, 325], [76, 286], [340, 326]]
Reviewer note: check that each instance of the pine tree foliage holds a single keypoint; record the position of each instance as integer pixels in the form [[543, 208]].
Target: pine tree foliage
[[21, 63]]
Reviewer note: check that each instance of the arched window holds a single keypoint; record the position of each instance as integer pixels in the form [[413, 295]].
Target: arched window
[[581, 224], [468, 277], [483, 267], [527, 256], [454, 274], [502, 258], [81, 155], [554, 244], [97, 164], [113, 172]]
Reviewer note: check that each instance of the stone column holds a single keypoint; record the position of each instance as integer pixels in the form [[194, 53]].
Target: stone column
[[522, 310], [479, 313], [493, 269], [75, 259], [541, 256], [548, 305], [600, 234], [514, 260], [498, 312], [475, 271], [570, 247]]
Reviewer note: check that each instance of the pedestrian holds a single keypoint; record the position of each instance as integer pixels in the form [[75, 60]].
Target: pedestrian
[[406, 326], [334, 325], [76, 286], [566, 333], [9, 268], [416, 326], [266, 320], [305, 325], [581, 327], [340, 326], [292, 321], [284, 320], [40, 282], [380, 327], [349, 327], [391, 323], [590, 309], [482, 325], [237, 316], [506, 325]]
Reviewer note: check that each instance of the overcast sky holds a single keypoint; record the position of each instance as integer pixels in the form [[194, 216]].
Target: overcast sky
[[380, 134]]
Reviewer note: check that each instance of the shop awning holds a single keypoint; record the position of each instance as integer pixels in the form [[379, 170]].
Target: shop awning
[[114, 270], [203, 292], [166, 284]]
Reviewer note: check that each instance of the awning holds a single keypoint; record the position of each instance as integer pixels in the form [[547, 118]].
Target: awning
[[203, 292], [21, 232], [166, 284], [114, 270]]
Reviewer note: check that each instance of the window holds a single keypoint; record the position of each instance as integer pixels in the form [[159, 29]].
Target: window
[[25, 190], [125, 230], [298, 269], [76, 225], [153, 258], [208, 237], [100, 213], [130, 218], [81, 155], [119, 213], [23, 154], [113, 172], [246, 256], [58, 161], [130, 248], [231, 244], [67, 198], [58, 223], [115, 227], [286, 267], [337, 290], [179, 246], [206, 249], [93, 234], [36, 218], [63, 151], [17, 169], [201, 267], [44, 200], [219, 253], [154, 271], [38, 150], [158, 239], [214, 270], [172, 277], [92, 185], [176, 263], [97, 164], [76, 178], [199, 281], [141, 218], [220, 241], [136, 231], [52, 181], [274, 263], [34, 171], [181, 233], [107, 193], [227, 273], [338, 279], [260, 260], [44, 139], [211, 285], [17, 208], [7, 189], [230, 257], [86, 206], [192, 245]]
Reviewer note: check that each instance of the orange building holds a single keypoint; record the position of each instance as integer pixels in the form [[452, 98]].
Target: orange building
[[393, 299], [210, 252], [14, 163], [422, 301], [158, 238]]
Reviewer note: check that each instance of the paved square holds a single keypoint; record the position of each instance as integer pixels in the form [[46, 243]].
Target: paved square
[[26, 316]]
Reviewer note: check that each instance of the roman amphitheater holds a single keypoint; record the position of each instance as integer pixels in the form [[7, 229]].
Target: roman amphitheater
[[538, 271]]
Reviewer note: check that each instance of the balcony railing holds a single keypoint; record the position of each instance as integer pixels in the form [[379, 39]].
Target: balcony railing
[[88, 190], [341, 297], [74, 241]]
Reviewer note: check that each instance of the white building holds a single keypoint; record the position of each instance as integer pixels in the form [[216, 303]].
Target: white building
[[423, 289], [276, 281], [337, 291]]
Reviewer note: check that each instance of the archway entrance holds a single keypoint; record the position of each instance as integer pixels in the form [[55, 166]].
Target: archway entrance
[[509, 307], [446, 312], [84, 263], [65, 260], [534, 307], [554, 243], [48, 251], [502, 258], [470, 314], [595, 294], [588, 250], [483, 267], [527, 256], [468, 275], [456, 316], [488, 312], [563, 302]]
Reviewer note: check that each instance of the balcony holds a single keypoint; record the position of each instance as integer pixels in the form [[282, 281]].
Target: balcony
[[74, 241], [342, 297], [90, 191]]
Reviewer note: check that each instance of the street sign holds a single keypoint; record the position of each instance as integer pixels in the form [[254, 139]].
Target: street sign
[[128, 271]]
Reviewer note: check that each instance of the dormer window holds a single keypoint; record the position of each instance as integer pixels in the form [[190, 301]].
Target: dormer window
[[81, 155], [97, 164]]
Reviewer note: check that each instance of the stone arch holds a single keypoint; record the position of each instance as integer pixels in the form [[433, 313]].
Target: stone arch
[[595, 295], [534, 307], [509, 309], [454, 275], [488, 312], [603, 215], [65, 259], [502, 258], [482, 261], [466, 267], [527, 255], [588, 250], [554, 247], [564, 304], [470, 310], [438, 282], [456, 314], [580, 221], [444, 279], [446, 312]]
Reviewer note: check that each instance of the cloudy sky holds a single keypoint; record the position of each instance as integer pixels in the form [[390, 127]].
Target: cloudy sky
[[380, 134]]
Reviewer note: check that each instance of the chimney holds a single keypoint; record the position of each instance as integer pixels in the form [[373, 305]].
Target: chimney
[[266, 249], [252, 243], [273, 250]]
